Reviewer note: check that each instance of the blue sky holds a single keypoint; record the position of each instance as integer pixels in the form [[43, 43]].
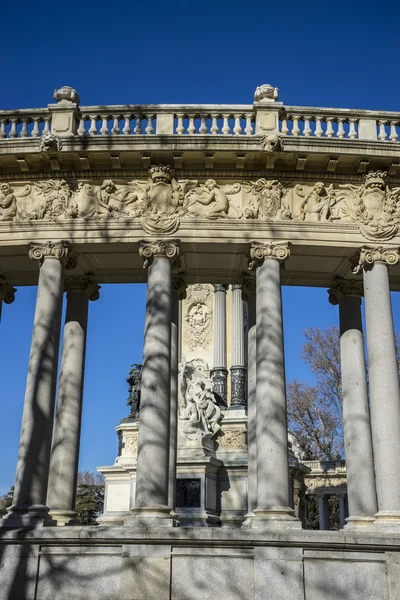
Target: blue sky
[[319, 54]]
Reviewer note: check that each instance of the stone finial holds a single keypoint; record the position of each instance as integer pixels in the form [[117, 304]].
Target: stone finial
[[266, 93], [344, 287], [367, 256], [259, 252], [40, 251], [148, 250], [7, 291], [87, 285], [66, 95]]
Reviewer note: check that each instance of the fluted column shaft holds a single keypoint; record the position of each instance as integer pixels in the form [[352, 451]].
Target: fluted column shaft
[[63, 475], [251, 397], [29, 502], [219, 369], [383, 381], [356, 418], [238, 369], [152, 476], [178, 293], [273, 494]]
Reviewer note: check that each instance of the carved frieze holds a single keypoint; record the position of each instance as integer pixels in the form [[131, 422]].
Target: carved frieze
[[161, 202], [198, 316], [234, 438]]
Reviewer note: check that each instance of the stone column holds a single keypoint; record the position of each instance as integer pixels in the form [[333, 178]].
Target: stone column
[[273, 496], [178, 294], [383, 381], [323, 511], [63, 474], [342, 511], [29, 503], [238, 369], [249, 289], [356, 417], [152, 476], [220, 372], [7, 293]]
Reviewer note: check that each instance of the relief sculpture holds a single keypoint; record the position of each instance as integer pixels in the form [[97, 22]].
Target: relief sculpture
[[212, 196], [198, 316], [266, 200]]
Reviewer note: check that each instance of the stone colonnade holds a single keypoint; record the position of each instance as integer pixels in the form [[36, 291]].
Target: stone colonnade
[[46, 480]]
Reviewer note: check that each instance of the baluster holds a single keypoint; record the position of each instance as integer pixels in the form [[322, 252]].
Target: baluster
[[24, 128], [2, 128], [180, 128], [191, 128], [295, 128], [352, 130], [93, 125], [340, 132], [225, 127], [104, 125], [127, 125], [13, 130], [203, 124], [35, 128], [307, 129], [214, 125], [81, 128], [393, 133], [138, 126], [237, 130], [46, 128], [382, 132], [115, 130], [284, 127], [329, 129], [249, 126], [149, 129], [319, 132]]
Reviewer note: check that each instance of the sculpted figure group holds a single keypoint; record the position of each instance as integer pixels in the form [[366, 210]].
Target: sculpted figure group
[[161, 202]]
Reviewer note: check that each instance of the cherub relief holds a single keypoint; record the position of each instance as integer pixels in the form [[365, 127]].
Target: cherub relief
[[317, 203], [8, 203], [210, 194]]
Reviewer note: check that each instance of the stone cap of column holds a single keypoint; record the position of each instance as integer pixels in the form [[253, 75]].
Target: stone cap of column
[[86, 285], [248, 286], [220, 287], [345, 287], [41, 250], [7, 291], [259, 251], [150, 249], [367, 256], [179, 286]]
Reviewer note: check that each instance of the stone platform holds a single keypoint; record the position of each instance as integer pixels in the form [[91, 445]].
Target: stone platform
[[121, 563]]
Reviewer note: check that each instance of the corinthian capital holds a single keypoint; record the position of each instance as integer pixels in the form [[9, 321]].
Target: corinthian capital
[[367, 257], [149, 249], [179, 286], [259, 252], [344, 287], [87, 285], [59, 250], [7, 291]]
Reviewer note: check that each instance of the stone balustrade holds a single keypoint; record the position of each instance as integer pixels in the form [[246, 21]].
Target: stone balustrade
[[216, 120], [25, 123], [324, 465]]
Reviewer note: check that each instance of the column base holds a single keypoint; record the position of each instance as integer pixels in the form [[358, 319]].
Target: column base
[[35, 515], [281, 517], [387, 521], [198, 518], [152, 516], [61, 518], [358, 523]]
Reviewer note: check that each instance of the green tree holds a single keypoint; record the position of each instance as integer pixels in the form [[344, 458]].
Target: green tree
[[6, 501], [89, 497]]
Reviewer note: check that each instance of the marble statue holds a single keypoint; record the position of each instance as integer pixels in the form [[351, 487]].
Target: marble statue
[[134, 379]]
